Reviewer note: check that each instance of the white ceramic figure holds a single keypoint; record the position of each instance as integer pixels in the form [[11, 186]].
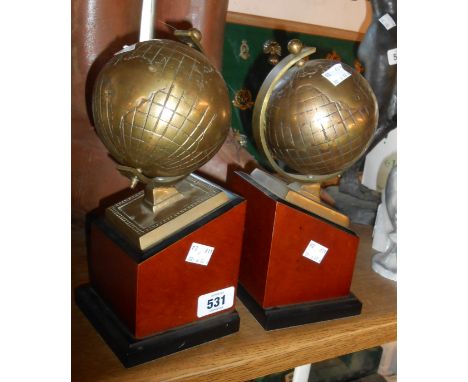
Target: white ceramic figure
[[385, 231]]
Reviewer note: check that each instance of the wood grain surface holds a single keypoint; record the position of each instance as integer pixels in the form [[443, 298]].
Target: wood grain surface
[[252, 352], [292, 26]]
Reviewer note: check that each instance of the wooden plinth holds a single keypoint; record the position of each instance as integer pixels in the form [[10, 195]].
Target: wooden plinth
[[155, 291], [251, 352], [273, 269], [300, 314], [132, 351]]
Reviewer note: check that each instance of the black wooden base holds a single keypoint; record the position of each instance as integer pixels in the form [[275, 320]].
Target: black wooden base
[[298, 314], [132, 351]]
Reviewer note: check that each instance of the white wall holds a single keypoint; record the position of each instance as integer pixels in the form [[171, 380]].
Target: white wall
[[342, 14]]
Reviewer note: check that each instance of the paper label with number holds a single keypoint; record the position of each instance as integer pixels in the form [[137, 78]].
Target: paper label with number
[[126, 48], [315, 251], [199, 254], [387, 21], [336, 74], [392, 56], [215, 301]]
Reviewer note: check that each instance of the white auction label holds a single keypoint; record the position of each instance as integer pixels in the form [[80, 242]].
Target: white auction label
[[392, 57], [199, 254], [336, 74], [215, 301], [315, 252], [387, 21], [126, 48]]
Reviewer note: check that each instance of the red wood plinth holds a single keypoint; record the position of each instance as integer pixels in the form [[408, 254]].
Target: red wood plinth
[[273, 269], [157, 290]]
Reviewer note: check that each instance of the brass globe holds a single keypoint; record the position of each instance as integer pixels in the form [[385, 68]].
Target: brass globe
[[161, 108], [316, 127]]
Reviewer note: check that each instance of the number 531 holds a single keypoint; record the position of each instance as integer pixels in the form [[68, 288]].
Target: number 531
[[215, 302]]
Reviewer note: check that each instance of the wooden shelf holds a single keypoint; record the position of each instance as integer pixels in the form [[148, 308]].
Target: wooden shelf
[[252, 352], [293, 26]]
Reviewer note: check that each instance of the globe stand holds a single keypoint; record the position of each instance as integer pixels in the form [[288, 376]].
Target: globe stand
[[306, 196], [163, 263], [150, 216], [158, 198], [149, 294], [283, 282]]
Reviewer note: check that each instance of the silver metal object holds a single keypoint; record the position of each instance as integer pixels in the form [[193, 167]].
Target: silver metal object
[[385, 263]]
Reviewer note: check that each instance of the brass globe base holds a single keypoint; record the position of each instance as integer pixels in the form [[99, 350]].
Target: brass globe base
[[306, 196], [159, 198], [150, 216]]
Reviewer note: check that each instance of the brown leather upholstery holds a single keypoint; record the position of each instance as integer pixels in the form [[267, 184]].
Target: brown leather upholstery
[[209, 16], [99, 29]]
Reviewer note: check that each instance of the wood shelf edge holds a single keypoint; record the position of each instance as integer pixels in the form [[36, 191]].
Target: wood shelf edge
[[292, 26]]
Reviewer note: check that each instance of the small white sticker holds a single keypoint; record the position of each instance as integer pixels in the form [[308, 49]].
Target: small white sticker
[[215, 301], [392, 56], [126, 48], [387, 21], [199, 254], [336, 74], [315, 252]]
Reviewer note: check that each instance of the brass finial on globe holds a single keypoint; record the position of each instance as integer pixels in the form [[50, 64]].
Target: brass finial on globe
[[312, 126], [295, 46], [161, 109]]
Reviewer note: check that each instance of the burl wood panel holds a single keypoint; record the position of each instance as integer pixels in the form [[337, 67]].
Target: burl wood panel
[[165, 287], [273, 268], [169, 287], [259, 220], [293, 278], [114, 275]]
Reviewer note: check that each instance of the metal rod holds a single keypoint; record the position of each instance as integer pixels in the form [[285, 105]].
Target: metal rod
[[148, 9]]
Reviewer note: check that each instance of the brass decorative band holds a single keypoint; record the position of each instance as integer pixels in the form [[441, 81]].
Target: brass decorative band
[[144, 228]]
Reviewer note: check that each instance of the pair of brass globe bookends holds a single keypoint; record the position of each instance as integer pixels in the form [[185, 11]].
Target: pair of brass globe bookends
[[163, 111], [170, 255]]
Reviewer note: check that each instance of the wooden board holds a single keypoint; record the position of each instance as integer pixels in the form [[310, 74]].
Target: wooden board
[[252, 352], [292, 26]]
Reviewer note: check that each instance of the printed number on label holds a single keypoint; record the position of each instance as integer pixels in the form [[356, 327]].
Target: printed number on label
[[126, 48], [315, 252], [199, 254], [215, 301], [392, 56], [336, 74], [387, 21]]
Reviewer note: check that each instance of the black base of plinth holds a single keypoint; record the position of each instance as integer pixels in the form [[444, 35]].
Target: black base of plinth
[[299, 314], [132, 351]]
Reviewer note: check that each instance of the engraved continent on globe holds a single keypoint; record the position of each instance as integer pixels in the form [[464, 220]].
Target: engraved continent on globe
[[315, 127], [161, 108]]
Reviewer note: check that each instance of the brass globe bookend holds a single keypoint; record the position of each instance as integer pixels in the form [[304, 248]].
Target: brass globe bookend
[[163, 263], [312, 119], [310, 128], [162, 110]]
